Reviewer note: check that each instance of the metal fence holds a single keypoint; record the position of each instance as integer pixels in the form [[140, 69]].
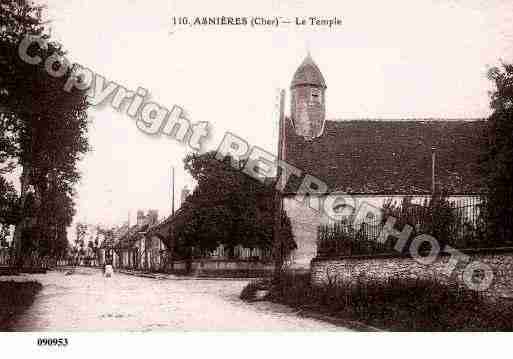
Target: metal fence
[[345, 238], [239, 252], [458, 221], [470, 220], [5, 257]]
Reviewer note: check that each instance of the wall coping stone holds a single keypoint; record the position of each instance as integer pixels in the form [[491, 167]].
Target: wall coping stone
[[223, 260], [484, 251]]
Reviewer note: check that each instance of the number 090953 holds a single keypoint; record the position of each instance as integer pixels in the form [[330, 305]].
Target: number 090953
[[57, 342]]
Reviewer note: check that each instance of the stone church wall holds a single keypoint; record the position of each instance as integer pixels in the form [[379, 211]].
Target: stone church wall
[[308, 115], [304, 223]]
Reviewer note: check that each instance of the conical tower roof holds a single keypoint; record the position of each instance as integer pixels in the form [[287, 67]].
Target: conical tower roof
[[308, 74]]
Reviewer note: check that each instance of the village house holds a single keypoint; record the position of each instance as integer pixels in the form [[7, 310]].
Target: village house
[[106, 251], [370, 159], [133, 247]]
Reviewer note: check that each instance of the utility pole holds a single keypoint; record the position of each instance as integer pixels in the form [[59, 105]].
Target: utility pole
[[172, 191], [278, 199], [433, 160]]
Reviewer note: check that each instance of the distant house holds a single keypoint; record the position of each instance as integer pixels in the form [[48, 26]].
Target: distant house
[[106, 252], [370, 159], [132, 248], [127, 250]]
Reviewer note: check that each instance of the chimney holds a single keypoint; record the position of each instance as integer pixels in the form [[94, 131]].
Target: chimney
[[185, 193], [153, 217], [140, 218]]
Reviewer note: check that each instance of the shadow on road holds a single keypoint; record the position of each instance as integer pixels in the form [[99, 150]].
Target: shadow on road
[[16, 298]]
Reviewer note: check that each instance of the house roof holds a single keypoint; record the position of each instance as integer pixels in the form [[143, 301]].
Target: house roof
[[162, 228], [308, 74], [129, 238], [390, 156]]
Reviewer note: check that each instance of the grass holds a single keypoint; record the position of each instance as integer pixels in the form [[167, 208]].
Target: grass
[[16, 297], [249, 291], [395, 304]]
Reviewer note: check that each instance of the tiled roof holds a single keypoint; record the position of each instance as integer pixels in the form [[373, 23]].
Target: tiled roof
[[390, 156], [129, 238], [308, 74]]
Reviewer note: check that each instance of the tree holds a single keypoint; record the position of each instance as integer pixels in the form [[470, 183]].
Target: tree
[[43, 130], [498, 160], [80, 234], [51, 231], [227, 208], [436, 216], [18, 19], [9, 210]]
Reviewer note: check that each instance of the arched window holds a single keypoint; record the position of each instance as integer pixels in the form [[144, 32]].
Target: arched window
[[315, 95]]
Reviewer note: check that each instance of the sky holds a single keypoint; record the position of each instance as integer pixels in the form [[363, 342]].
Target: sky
[[393, 59]]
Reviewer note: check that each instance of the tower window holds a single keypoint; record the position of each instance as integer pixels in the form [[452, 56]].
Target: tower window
[[315, 95]]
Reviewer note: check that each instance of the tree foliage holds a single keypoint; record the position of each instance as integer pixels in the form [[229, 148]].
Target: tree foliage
[[498, 163], [80, 234], [227, 208], [43, 129], [9, 210], [436, 216]]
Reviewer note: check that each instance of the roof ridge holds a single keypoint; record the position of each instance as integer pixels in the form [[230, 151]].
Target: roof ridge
[[410, 119]]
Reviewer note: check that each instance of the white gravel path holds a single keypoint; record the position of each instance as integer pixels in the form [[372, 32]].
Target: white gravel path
[[86, 301]]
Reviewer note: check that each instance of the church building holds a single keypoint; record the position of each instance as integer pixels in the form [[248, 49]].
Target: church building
[[370, 159]]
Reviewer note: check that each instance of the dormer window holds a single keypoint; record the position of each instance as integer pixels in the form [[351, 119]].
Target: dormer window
[[315, 95]]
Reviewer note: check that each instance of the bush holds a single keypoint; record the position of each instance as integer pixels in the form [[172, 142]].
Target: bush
[[436, 216], [249, 292], [395, 303], [343, 239]]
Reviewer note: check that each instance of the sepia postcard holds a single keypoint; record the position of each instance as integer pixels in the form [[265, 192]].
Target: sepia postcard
[[308, 168]]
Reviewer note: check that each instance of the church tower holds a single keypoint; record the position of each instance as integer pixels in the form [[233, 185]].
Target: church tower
[[308, 101]]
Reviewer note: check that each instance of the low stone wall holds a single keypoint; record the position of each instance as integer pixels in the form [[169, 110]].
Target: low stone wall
[[223, 267], [349, 269]]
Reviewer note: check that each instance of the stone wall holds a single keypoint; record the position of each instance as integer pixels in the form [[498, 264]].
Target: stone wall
[[308, 115], [345, 270]]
